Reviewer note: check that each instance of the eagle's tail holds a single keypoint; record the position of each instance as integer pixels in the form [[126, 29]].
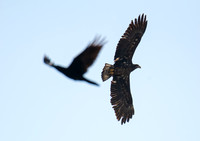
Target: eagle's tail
[[107, 72]]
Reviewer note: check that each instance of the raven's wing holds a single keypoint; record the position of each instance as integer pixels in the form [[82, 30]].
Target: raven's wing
[[131, 38], [121, 98], [85, 59]]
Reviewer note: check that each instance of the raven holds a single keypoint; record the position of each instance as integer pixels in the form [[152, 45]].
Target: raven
[[80, 63]]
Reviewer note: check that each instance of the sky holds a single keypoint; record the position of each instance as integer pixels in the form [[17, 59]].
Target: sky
[[39, 104]]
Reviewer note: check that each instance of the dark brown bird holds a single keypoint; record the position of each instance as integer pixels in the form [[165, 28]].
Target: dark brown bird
[[81, 63], [121, 98]]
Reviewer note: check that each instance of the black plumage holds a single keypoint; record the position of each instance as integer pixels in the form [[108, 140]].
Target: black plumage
[[81, 63], [121, 98]]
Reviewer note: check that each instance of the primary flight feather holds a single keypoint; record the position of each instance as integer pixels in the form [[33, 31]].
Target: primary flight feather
[[121, 98]]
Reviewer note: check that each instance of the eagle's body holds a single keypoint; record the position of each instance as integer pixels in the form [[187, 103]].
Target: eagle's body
[[120, 85], [80, 64]]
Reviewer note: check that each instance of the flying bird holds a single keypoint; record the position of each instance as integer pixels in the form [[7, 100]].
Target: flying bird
[[121, 98], [81, 63]]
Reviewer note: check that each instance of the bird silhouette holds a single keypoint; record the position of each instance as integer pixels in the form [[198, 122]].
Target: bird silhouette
[[121, 98], [81, 63]]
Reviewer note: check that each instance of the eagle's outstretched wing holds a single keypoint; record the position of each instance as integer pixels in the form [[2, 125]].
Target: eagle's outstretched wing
[[131, 38], [87, 57], [121, 98]]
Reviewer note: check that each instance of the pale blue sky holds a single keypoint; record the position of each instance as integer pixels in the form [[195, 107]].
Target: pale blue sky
[[39, 104]]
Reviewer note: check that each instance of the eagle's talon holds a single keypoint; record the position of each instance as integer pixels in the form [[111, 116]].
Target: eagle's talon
[[114, 82]]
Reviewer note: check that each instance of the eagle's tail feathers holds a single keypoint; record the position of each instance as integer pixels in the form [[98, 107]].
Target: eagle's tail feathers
[[107, 72]]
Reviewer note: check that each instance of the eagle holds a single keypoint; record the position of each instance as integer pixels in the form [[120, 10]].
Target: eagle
[[81, 63], [121, 98]]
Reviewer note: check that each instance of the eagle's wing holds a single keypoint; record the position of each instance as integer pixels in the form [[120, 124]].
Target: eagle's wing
[[87, 57], [131, 38], [121, 98]]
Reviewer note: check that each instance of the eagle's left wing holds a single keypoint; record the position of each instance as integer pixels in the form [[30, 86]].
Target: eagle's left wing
[[121, 98]]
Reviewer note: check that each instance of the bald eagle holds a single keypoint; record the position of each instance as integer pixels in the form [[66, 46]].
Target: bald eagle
[[80, 63], [121, 98]]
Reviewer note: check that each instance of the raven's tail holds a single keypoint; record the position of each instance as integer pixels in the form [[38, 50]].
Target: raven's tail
[[107, 72]]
